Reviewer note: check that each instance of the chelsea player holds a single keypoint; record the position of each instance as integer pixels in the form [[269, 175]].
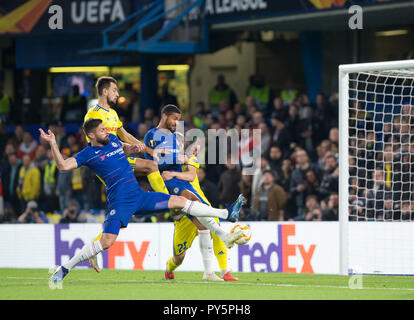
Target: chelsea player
[[165, 136], [106, 155]]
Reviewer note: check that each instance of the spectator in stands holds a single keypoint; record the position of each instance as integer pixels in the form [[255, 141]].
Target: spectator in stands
[[292, 123], [29, 181], [5, 105], [280, 135], [290, 209], [199, 115], [71, 213], [323, 116], [32, 214], [18, 134], [258, 174], [92, 188], [289, 93], [141, 131], [165, 98], [71, 143], [279, 109], [49, 182], [208, 187], [312, 183], [314, 215], [261, 93], [311, 203], [275, 161], [221, 92], [74, 107], [10, 180], [307, 129], [330, 177], [228, 186], [330, 212], [297, 184], [64, 183], [28, 146], [270, 199]]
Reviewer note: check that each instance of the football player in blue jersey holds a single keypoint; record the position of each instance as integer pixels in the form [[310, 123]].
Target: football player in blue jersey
[[106, 155], [165, 136]]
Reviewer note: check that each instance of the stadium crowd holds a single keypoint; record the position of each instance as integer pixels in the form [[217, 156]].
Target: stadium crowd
[[297, 179]]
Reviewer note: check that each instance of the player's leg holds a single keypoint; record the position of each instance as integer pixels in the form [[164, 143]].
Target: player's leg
[[198, 209], [149, 168], [220, 251], [88, 251], [184, 234]]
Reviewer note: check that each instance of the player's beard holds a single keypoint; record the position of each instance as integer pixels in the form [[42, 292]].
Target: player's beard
[[111, 103], [103, 141]]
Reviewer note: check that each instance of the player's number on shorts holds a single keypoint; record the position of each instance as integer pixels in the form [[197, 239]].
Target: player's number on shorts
[[182, 247]]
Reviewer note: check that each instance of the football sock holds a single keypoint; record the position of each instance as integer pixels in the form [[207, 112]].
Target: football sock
[[212, 225], [98, 236], [88, 251], [206, 249], [198, 209], [156, 182], [171, 266], [220, 251]]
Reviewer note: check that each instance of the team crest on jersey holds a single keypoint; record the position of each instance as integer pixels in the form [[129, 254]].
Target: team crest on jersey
[[176, 190], [152, 143], [112, 212], [114, 144]]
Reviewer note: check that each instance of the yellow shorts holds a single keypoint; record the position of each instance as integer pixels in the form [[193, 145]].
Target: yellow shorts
[[185, 232]]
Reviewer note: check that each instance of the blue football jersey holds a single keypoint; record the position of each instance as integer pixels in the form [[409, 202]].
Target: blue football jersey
[[157, 139], [110, 163]]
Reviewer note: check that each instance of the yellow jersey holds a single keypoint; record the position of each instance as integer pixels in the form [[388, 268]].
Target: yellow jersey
[[109, 118], [193, 161]]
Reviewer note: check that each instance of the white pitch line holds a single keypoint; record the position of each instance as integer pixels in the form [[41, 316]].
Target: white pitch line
[[221, 283]]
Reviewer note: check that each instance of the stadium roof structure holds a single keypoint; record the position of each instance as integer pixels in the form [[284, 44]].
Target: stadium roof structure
[[156, 29]]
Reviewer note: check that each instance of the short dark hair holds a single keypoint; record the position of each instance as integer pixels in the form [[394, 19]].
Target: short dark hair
[[170, 109], [103, 83], [90, 125]]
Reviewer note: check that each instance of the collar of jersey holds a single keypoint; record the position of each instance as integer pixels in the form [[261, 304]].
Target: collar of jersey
[[102, 108]]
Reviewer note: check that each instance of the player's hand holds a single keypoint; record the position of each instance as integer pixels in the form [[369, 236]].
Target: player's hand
[[49, 137], [157, 152], [182, 159], [167, 175], [139, 147]]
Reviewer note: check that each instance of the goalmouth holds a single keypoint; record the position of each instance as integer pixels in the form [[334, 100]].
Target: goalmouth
[[376, 168]]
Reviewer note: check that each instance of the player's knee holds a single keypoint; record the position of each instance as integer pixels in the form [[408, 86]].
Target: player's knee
[[177, 202], [107, 241]]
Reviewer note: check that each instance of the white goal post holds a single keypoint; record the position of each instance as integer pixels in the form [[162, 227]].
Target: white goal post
[[376, 175]]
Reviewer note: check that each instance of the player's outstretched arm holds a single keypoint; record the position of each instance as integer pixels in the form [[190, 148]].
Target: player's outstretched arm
[[62, 164], [188, 175]]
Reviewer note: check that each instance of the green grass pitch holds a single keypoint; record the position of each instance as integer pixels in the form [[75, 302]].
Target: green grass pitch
[[82, 284]]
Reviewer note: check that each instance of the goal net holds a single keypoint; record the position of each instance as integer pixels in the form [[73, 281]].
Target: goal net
[[377, 167]]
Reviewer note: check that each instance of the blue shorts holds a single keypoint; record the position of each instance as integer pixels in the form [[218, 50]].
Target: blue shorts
[[176, 187], [119, 213]]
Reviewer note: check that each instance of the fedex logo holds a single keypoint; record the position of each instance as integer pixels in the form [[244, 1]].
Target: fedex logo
[[261, 259], [66, 249]]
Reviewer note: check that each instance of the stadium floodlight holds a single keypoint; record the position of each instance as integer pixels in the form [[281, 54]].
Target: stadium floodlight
[[376, 167]]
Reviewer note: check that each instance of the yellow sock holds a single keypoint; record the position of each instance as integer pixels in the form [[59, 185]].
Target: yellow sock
[[220, 251], [98, 237], [171, 266], [156, 182]]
